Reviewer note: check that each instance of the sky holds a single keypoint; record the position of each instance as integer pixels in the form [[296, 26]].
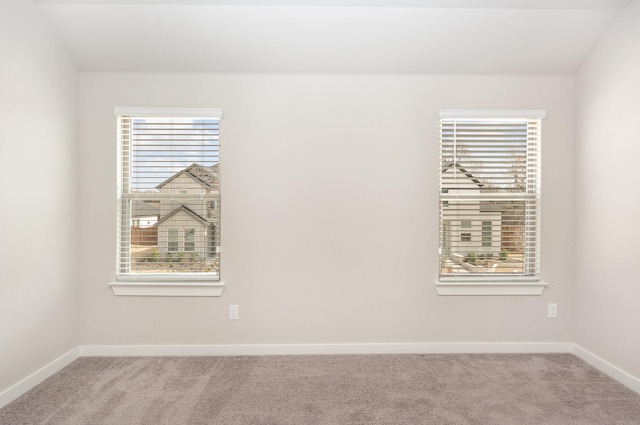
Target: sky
[[162, 147]]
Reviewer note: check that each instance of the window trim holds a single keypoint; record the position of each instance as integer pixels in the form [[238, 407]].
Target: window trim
[[491, 288], [508, 285], [193, 285], [167, 288], [493, 113]]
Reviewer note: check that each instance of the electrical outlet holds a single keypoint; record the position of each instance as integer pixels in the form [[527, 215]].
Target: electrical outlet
[[552, 311], [234, 312]]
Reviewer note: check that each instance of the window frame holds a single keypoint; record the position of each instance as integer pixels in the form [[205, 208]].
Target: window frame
[[160, 284], [503, 285]]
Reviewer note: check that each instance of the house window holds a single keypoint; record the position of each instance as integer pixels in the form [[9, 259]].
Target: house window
[[490, 184], [446, 239], [168, 177], [486, 234], [172, 240], [212, 240], [190, 240]]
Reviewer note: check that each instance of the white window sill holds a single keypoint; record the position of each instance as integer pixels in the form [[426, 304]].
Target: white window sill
[[490, 288], [167, 289]]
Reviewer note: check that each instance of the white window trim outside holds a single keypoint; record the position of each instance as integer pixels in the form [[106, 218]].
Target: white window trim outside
[[160, 285], [492, 287]]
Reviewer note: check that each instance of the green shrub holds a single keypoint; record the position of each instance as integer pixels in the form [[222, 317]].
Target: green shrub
[[504, 254], [155, 256], [471, 258]]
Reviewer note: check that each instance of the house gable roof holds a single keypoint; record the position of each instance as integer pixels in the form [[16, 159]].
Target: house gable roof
[[451, 165], [185, 209], [204, 175], [144, 209]]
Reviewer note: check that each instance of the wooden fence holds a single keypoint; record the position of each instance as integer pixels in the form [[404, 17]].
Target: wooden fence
[[145, 236]]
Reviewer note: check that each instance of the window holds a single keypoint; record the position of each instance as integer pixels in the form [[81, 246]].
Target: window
[[490, 185], [486, 234], [189, 240], [169, 170], [212, 246], [172, 244]]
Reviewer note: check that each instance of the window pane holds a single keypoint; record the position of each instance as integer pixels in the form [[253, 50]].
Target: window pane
[[170, 191], [190, 240], [163, 147], [489, 193], [173, 240], [486, 234]]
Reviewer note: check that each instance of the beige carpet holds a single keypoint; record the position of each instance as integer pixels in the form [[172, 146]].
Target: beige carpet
[[469, 389]]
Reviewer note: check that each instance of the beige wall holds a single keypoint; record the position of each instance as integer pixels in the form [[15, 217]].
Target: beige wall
[[330, 211], [608, 198], [38, 151]]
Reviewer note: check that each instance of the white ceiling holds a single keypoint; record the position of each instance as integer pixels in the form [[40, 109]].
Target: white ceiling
[[331, 36]]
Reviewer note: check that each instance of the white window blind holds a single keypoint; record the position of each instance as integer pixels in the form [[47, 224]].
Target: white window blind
[[490, 195], [168, 194]]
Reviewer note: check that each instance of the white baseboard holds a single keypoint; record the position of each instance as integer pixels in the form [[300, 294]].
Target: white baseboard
[[293, 349], [15, 391], [604, 366]]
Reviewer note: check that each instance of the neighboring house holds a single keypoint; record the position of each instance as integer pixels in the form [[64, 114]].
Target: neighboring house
[[188, 224], [468, 225], [144, 214]]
